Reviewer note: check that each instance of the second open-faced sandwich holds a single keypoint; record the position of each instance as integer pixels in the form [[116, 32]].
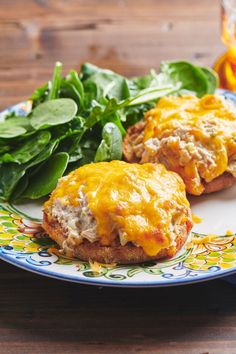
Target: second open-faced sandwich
[[119, 212], [194, 137]]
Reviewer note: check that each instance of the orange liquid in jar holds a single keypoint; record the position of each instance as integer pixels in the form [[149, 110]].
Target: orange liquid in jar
[[225, 65]]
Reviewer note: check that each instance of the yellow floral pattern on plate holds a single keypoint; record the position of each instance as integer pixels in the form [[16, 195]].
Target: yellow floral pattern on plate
[[221, 252], [23, 235]]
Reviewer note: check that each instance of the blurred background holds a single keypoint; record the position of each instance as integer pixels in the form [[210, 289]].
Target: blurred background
[[124, 35]]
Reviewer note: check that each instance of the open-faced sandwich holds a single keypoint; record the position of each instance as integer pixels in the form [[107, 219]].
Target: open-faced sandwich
[[119, 212], [194, 137]]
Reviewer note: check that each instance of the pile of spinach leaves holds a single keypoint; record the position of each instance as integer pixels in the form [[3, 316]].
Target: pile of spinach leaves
[[82, 118]]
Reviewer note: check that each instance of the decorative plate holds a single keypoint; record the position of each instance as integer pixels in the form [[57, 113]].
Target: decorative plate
[[24, 244]]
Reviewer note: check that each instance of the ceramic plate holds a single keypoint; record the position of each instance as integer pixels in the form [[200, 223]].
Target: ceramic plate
[[24, 244]]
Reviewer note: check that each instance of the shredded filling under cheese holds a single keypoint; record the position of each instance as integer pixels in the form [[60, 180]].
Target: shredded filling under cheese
[[140, 203]]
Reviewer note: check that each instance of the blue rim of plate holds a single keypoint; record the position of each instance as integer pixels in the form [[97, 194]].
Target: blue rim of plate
[[91, 281], [26, 261]]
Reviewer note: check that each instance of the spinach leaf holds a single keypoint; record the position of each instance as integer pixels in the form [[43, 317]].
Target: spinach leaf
[[55, 84], [151, 94], [88, 69], [110, 147], [188, 75], [39, 95], [7, 131], [21, 122], [74, 79], [95, 116], [9, 115], [10, 174], [109, 85], [212, 79], [77, 123], [113, 118], [90, 94], [134, 114], [43, 155], [88, 148], [19, 188], [47, 177], [14, 127], [54, 112], [68, 90], [76, 155], [31, 148], [140, 83], [4, 148]]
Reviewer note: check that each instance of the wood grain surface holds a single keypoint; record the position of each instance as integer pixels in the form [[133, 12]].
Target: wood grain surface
[[130, 36], [40, 315]]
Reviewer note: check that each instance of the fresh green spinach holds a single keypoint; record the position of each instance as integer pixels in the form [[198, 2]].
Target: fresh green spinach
[[46, 179], [14, 127], [54, 85], [53, 112], [10, 174], [189, 76], [31, 148], [110, 147], [212, 79]]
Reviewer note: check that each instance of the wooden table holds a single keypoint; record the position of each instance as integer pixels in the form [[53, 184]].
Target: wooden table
[[40, 315]]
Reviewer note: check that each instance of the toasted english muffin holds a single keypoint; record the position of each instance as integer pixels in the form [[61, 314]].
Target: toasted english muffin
[[115, 212], [194, 137]]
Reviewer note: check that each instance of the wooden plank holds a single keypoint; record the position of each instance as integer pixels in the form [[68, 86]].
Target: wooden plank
[[40, 315], [127, 36]]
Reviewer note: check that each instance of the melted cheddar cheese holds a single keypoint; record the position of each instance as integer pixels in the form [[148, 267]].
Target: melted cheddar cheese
[[194, 137], [141, 203], [196, 219]]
